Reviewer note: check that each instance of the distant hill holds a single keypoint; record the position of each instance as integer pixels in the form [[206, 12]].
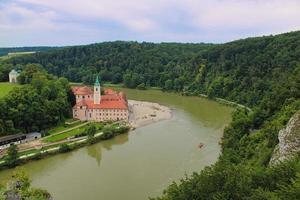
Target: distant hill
[[6, 51]]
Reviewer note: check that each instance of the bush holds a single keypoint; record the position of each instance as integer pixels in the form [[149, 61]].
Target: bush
[[63, 148], [141, 86]]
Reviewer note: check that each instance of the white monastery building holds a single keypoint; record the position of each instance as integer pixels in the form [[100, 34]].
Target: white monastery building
[[92, 106]]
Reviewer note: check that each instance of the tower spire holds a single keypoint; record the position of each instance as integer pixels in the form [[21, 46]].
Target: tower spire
[[97, 82], [97, 91]]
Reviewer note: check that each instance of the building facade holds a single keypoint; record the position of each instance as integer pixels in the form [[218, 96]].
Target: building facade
[[92, 106], [13, 75]]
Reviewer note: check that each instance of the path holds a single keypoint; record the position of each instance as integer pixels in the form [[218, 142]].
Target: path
[[39, 142], [67, 130]]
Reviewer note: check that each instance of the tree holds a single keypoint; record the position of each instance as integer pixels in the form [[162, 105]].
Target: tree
[[12, 158], [91, 130], [168, 85], [19, 187]]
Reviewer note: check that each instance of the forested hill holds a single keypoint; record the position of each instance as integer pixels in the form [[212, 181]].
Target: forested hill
[[244, 71], [147, 63]]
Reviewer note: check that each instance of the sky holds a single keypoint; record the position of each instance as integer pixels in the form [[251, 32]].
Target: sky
[[76, 22]]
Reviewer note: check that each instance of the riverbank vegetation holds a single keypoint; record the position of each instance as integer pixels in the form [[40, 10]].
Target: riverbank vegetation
[[89, 134], [262, 73]]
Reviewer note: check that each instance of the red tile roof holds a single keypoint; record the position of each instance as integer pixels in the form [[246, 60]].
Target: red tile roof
[[109, 91], [111, 100], [120, 104], [82, 90]]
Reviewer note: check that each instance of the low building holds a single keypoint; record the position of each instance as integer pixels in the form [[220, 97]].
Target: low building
[[92, 106], [6, 141], [33, 136], [13, 75]]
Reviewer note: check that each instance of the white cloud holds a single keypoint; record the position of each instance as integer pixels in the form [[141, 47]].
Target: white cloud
[[256, 14], [152, 20]]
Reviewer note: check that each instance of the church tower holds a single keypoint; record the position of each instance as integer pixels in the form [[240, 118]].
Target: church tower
[[97, 91]]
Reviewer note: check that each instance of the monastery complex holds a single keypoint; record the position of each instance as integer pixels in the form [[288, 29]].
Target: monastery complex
[[92, 106]]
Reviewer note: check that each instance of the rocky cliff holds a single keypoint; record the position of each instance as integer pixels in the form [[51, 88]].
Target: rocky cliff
[[289, 141]]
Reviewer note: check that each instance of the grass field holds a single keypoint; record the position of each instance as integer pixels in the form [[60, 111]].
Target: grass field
[[6, 87], [65, 135], [64, 127], [73, 132]]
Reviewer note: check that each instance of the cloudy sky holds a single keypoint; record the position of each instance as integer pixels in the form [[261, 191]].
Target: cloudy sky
[[69, 22]]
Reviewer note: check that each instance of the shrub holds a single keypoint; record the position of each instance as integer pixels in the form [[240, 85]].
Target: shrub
[[12, 158], [63, 148], [141, 86]]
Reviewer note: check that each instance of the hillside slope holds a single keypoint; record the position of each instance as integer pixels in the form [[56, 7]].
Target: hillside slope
[[148, 63]]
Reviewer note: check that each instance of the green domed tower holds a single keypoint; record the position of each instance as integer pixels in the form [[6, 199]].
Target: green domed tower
[[97, 91]]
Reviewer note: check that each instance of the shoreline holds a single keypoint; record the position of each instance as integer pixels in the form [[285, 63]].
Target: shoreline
[[143, 113]]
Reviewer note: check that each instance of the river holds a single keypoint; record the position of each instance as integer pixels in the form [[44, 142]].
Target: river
[[140, 164]]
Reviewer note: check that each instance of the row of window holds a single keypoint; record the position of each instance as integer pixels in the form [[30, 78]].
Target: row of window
[[83, 97], [110, 114], [106, 110], [109, 118]]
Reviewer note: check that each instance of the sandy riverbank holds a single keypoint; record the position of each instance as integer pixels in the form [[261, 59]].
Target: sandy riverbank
[[142, 113]]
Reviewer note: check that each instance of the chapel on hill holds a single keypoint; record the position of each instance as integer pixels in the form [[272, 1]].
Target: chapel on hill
[[92, 106]]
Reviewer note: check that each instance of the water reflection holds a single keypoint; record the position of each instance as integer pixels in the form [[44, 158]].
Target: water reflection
[[95, 151]]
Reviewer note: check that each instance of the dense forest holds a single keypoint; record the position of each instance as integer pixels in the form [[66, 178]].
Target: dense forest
[[41, 102], [262, 73], [129, 62]]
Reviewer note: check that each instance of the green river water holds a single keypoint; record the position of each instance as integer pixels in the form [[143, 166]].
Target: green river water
[[140, 164]]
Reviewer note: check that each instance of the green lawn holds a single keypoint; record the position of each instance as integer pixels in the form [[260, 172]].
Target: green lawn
[[6, 87], [64, 127], [65, 135]]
